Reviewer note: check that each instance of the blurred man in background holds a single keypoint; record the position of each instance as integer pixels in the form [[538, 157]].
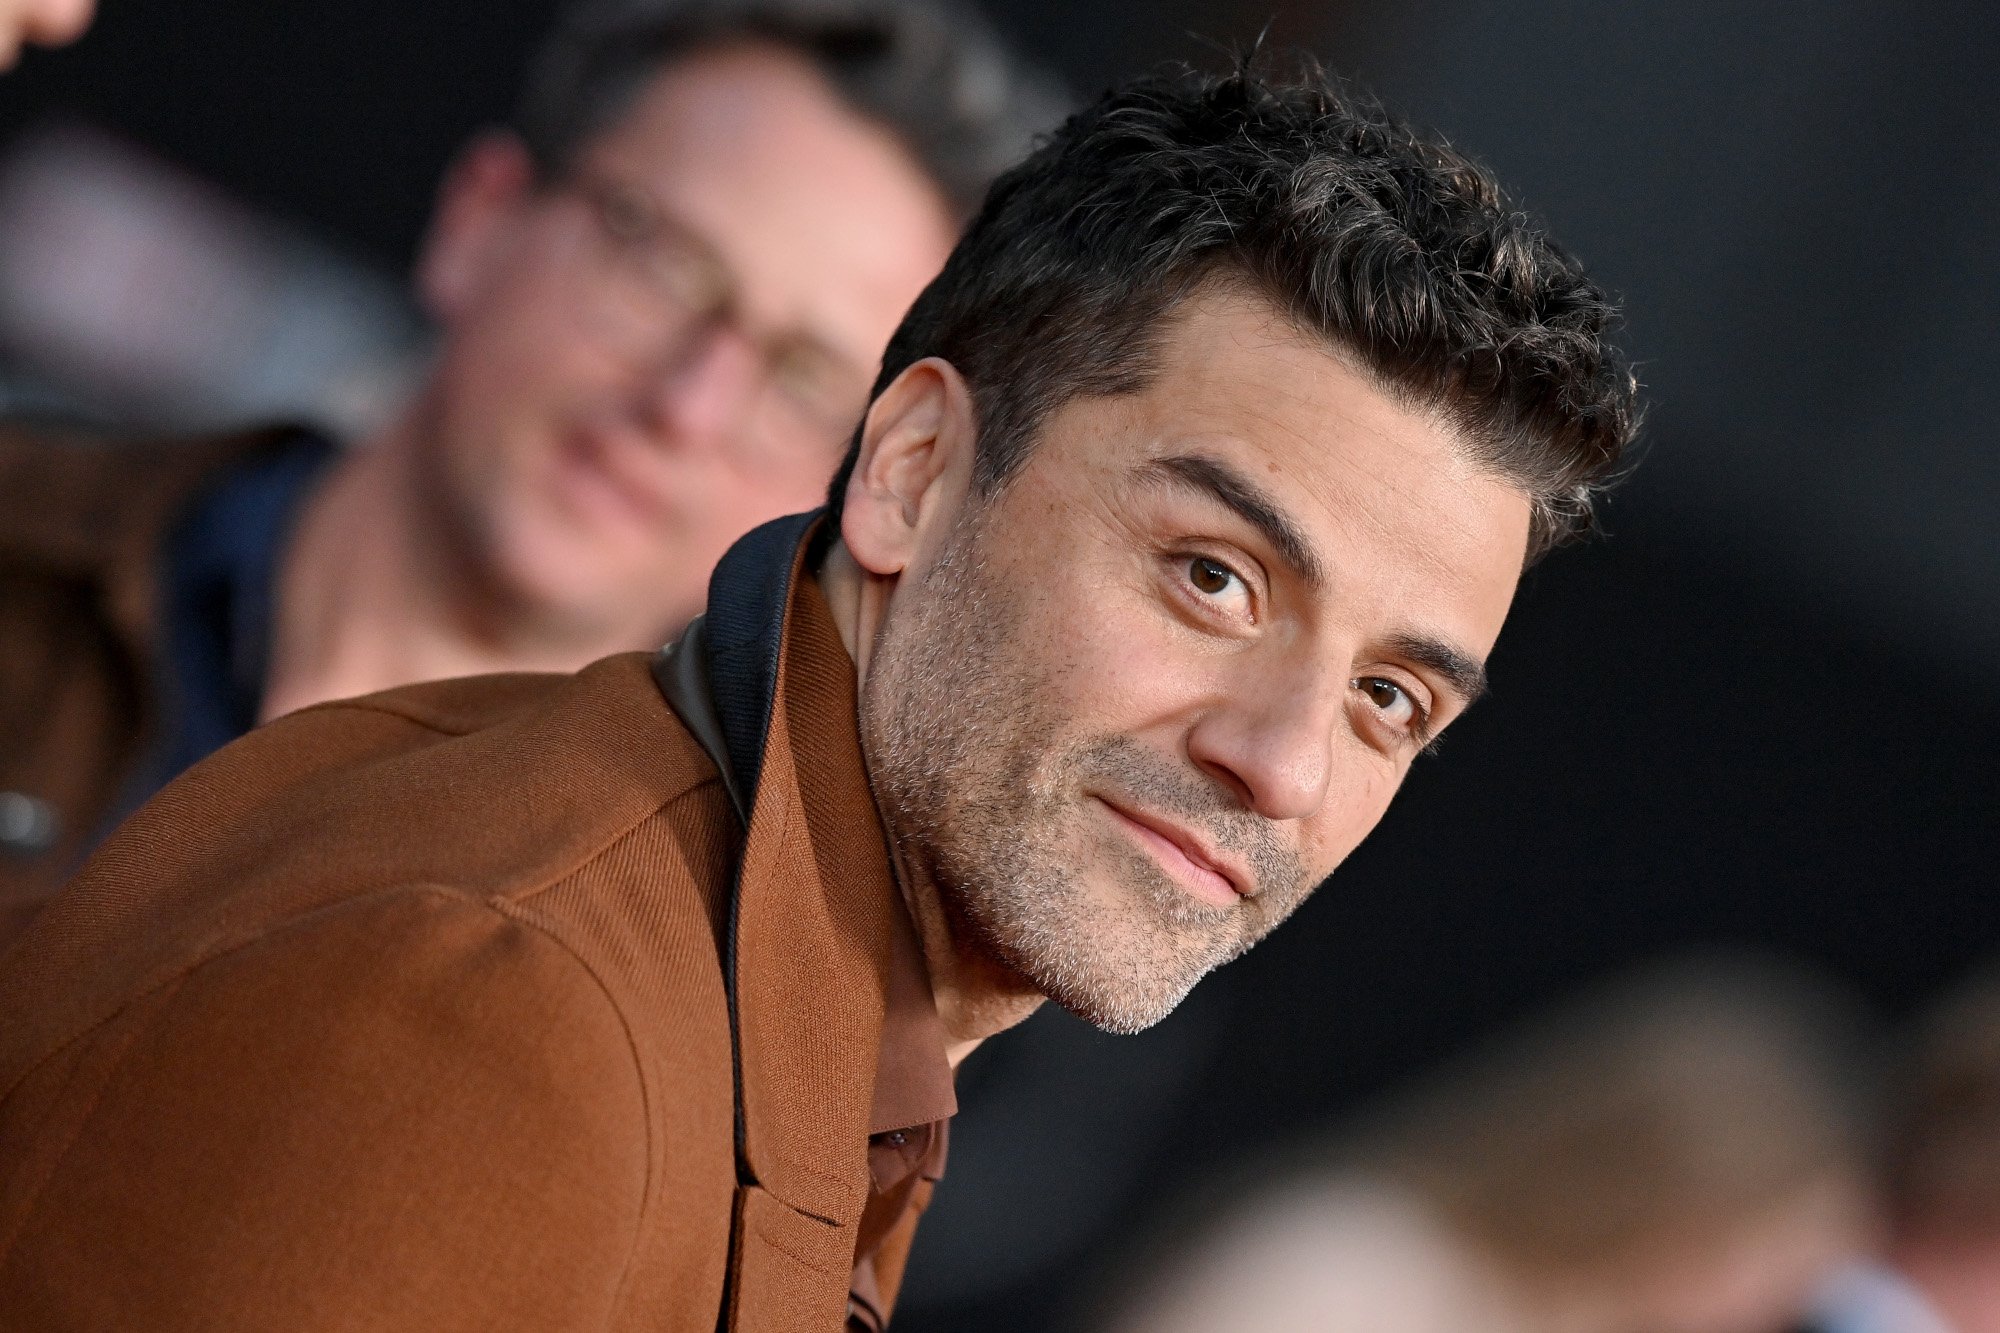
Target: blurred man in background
[[1686, 1154], [40, 22], [662, 298], [1940, 1266]]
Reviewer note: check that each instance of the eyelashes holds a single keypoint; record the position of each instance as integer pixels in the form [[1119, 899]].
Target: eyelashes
[[1215, 586], [1217, 582]]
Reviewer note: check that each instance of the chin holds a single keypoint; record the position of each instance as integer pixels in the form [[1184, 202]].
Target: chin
[[550, 568], [1118, 1014], [1123, 985]]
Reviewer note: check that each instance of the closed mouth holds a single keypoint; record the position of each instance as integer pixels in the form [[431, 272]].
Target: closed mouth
[[1219, 879]]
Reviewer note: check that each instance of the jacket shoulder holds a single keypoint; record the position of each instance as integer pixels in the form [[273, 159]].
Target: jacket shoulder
[[415, 1058], [501, 788], [503, 878]]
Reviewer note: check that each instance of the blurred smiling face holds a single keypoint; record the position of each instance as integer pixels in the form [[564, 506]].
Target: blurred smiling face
[[666, 345], [1130, 708]]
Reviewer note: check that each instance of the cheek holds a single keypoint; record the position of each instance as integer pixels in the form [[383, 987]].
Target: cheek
[[1356, 799], [1123, 664], [522, 346]]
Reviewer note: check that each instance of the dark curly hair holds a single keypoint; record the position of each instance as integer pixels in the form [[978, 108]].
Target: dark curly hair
[[1383, 241]]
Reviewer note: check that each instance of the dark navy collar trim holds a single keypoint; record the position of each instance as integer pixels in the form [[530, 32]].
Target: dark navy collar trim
[[748, 597]]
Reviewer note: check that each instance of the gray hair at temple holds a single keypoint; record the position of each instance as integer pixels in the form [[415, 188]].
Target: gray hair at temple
[[932, 71]]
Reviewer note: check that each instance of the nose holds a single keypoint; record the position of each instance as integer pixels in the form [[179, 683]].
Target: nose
[[704, 396], [1272, 743]]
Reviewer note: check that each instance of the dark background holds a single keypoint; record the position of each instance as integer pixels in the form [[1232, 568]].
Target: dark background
[[1763, 713]]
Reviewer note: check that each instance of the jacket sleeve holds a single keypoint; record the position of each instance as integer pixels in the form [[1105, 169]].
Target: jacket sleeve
[[411, 1112]]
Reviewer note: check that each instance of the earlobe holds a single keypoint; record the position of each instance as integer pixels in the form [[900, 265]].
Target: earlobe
[[482, 192], [915, 467]]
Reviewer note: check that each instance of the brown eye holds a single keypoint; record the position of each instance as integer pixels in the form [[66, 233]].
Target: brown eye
[[1391, 699], [1209, 577]]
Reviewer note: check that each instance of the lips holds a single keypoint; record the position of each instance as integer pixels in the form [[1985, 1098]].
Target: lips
[[1207, 873]]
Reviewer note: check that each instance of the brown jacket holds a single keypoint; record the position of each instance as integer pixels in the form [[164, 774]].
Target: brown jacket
[[82, 526], [470, 1005]]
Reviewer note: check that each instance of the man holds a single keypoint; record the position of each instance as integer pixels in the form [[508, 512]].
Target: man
[[1939, 1268], [42, 22], [1680, 1152], [661, 298], [1187, 509]]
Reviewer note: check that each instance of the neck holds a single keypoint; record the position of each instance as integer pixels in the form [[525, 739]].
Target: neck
[[977, 995], [375, 591]]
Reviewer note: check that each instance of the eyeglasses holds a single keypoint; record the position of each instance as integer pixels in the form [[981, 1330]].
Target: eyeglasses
[[665, 286]]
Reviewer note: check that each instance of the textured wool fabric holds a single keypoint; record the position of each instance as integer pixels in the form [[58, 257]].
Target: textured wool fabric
[[412, 1012]]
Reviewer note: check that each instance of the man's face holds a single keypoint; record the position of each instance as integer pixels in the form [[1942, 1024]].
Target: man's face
[[669, 344], [1128, 710]]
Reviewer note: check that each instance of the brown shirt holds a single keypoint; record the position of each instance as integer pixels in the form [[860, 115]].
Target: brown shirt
[[907, 1128], [473, 1005]]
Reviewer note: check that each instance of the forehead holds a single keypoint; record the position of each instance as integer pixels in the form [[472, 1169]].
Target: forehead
[[1388, 497], [828, 222]]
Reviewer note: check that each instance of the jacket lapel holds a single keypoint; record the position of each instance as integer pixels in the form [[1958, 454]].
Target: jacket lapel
[[812, 924]]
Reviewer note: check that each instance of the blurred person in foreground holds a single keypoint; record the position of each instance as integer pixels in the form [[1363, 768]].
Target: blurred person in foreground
[[1686, 1154], [662, 298], [40, 23], [1188, 507], [1939, 1270]]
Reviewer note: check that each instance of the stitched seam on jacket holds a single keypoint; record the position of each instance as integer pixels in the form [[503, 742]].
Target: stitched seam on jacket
[[777, 1243], [529, 894], [371, 705], [367, 704], [517, 908], [512, 912], [225, 949], [175, 982], [106, 1078]]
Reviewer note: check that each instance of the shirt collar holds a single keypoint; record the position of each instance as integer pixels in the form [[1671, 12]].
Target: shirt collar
[[913, 1072]]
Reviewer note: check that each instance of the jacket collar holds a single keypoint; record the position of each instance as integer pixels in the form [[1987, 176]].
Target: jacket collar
[[749, 603], [821, 958]]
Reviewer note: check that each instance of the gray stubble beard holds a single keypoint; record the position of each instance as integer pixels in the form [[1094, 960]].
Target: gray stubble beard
[[951, 692]]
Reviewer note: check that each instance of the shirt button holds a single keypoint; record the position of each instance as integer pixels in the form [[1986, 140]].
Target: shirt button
[[28, 824]]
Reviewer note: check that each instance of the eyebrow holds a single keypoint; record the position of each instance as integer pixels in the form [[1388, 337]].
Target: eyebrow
[[1217, 480], [1213, 478], [1465, 674]]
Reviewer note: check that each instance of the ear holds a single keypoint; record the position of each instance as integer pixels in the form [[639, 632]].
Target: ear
[[481, 196], [914, 471]]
